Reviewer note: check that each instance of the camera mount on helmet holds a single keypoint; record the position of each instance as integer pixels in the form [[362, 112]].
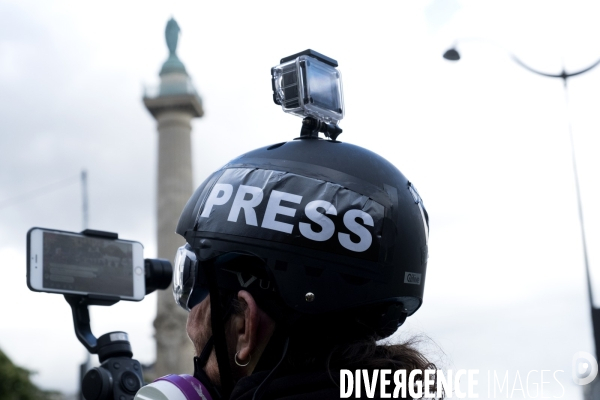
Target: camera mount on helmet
[[311, 128], [307, 84]]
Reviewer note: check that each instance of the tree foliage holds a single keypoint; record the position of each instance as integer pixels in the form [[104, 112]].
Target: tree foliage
[[15, 383]]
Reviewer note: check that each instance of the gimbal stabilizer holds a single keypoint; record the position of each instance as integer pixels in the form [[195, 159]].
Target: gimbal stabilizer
[[119, 376]]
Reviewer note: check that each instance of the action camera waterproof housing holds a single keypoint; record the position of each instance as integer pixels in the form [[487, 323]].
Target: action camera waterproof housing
[[307, 84]]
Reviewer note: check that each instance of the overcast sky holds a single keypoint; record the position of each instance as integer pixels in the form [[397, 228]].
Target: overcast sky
[[485, 141]]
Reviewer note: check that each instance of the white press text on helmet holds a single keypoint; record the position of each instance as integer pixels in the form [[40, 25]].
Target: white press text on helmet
[[249, 197]]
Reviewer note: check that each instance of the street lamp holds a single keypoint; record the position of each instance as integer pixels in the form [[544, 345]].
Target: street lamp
[[452, 54]]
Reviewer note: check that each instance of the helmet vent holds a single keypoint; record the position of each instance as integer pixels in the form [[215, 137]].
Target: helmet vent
[[275, 146], [313, 271], [355, 280]]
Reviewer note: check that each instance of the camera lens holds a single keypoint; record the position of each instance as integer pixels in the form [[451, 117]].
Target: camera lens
[[130, 382], [97, 384]]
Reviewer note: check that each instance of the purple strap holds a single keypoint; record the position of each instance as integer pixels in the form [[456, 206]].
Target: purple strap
[[191, 387]]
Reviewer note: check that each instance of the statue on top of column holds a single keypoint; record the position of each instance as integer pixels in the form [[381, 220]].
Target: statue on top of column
[[172, 35]]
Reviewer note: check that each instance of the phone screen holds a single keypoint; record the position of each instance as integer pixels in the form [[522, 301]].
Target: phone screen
[[87, 264]]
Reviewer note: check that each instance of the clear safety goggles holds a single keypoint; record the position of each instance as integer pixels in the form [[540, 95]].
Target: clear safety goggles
[[189, 287], [234, 271]]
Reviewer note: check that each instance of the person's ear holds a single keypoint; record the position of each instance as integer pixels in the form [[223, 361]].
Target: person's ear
[[246, 328]]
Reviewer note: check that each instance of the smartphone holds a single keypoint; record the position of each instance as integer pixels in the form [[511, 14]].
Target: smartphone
[[72, 263]]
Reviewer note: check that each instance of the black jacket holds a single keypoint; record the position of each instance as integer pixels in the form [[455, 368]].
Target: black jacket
[[295, 386]]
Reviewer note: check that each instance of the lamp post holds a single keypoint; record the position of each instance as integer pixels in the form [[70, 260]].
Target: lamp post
[[452, 54]]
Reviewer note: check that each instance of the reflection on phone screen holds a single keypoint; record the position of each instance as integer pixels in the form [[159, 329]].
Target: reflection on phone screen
[[87, 264]]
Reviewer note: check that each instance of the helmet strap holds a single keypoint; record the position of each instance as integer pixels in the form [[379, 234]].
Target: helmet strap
[[199, 363], [218, 331]]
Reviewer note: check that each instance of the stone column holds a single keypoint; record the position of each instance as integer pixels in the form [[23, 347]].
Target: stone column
[[173, 349], [173, 104]]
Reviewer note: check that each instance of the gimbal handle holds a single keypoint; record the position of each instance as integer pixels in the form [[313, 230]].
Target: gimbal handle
[[81, 317]]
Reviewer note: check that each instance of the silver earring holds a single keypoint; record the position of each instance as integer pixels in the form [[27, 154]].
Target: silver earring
[[235, 358]]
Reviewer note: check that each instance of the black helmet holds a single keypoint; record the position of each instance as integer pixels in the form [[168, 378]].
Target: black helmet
[[323, 234], [337, 226]]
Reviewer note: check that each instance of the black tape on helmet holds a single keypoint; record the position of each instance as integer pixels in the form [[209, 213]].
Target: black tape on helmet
[[337, 226]]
